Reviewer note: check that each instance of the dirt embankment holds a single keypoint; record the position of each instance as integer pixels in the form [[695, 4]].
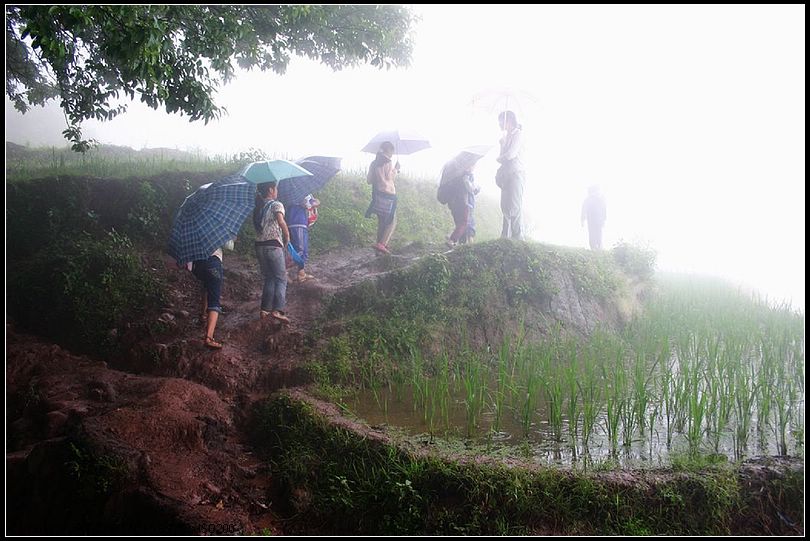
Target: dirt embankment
[[153, 441]]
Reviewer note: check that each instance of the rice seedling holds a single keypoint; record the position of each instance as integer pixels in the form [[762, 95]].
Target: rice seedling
[[590, 388], [573, 399]]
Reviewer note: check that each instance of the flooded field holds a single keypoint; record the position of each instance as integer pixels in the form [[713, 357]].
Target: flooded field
[[708, 374]]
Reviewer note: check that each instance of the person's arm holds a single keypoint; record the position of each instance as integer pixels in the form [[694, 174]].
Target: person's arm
[[469, 184], [389, 171], [285, 231]]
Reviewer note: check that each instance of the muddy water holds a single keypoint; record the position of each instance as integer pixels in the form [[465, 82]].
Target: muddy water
[[535, 439]]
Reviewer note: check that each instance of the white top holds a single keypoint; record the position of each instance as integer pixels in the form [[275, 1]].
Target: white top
[[512, 147]]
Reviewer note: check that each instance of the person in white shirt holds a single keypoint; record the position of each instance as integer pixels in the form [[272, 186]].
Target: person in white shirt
[[510, 176]]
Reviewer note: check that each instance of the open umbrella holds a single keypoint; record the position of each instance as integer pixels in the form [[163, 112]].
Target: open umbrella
[[272, 171], [499, 99], [477, 150], [321, 168], [210, 217], [404, 141], [464, 159]]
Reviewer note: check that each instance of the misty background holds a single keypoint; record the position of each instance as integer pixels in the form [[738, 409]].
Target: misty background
[[690, 118]]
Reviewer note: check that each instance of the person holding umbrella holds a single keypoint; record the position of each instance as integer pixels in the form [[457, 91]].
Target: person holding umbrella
[[209, 272], [510, 176], [458, 182], [381, 176], [296, 195], [272, 236], [208, 219]]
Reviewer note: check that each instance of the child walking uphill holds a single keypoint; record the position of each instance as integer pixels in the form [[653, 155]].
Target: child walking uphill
[[460, 190], [300, 218]]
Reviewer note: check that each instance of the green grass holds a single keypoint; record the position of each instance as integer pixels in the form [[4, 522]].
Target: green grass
[[348, 482]]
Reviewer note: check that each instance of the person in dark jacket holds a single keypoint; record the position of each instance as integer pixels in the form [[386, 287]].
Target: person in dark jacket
[[594, 211], [457, 178]]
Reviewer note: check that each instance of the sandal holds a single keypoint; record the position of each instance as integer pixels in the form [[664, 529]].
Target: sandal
[[211, 343], [381, 248], [279, 316], [263, 314]]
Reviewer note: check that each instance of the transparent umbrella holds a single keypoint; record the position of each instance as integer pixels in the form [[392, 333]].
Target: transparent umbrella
[[498, 99], [404, 141]]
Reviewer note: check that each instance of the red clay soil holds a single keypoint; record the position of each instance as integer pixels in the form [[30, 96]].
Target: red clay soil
[[169, 409]]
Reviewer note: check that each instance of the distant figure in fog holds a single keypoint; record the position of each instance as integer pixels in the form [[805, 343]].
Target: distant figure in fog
[[594, 211]]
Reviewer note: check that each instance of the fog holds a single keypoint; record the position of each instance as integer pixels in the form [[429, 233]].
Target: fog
[[690, 118]]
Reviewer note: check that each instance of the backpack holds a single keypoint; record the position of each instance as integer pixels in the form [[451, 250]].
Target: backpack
[[444, 193]]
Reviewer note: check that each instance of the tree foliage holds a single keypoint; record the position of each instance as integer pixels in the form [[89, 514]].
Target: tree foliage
[[175, 56]]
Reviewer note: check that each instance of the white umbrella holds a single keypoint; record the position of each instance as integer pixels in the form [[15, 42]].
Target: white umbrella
[[499, 99], [404, 141], [477, 150]]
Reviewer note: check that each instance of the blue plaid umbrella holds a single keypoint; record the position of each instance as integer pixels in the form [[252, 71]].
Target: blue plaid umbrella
[[210, 217], [293, 190]]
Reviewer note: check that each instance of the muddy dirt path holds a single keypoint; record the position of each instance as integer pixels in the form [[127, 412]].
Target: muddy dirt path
[[175, 412]]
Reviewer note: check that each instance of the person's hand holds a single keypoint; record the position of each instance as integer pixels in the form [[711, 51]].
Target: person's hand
[[397, 167]]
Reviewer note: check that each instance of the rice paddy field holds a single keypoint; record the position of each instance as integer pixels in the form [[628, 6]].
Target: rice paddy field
[[704, 371]]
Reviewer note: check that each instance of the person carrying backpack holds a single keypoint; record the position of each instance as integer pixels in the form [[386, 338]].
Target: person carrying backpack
[[457, 189], [300, 218]]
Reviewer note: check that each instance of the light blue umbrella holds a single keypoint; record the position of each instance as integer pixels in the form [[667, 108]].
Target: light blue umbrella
[[272, 171], [210, 217]]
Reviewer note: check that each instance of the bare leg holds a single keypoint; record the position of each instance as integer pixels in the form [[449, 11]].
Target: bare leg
[[388, 231], [213, 315]]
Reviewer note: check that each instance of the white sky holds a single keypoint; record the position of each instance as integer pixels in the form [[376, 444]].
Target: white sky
[[691, 118]]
